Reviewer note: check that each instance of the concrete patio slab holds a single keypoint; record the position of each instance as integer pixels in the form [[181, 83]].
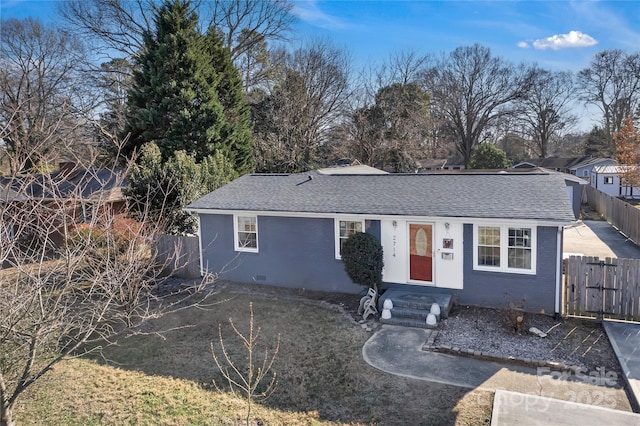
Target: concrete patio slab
[[514, 408]]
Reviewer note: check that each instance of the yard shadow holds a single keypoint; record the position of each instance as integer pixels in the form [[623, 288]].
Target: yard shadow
[[323, 365], [320, 367]]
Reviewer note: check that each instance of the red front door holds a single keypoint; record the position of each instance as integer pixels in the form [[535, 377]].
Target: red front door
[[421, 252]]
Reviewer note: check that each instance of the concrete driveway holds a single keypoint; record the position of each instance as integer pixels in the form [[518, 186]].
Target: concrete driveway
[[598, 238]]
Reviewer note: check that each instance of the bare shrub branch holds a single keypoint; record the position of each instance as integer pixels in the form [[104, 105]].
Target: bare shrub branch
[[256, 379], [76, 271]]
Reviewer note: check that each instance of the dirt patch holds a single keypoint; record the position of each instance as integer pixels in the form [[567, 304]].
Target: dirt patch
[[588, 213]]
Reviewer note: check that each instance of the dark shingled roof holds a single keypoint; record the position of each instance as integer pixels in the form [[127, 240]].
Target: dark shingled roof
[[79, 182], [541, 196]]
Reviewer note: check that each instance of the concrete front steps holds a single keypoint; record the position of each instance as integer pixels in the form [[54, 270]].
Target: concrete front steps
[[411, 308]]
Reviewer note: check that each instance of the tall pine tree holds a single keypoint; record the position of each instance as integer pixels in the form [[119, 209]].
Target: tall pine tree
[[237, 135], [180, 99]]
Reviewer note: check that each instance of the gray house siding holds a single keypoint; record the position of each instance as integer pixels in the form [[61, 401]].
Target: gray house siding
[[293, 252], [576, 197], [498, 289]]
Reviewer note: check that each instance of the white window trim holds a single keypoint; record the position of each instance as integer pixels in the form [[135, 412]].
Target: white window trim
[[236, 242], [336, 224], [607, 178], [504, 249]]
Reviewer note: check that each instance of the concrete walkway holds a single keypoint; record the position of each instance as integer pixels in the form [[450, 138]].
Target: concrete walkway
[[398, 350], [625, 340]]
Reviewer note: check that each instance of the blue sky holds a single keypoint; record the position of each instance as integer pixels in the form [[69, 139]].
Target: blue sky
[[556, 34]]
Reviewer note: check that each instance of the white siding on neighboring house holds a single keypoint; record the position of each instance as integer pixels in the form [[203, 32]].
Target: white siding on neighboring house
[[607, 179], [584, 170]]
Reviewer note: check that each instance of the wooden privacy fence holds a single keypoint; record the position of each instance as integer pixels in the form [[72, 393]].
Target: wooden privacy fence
[[618, 212], [607, 288], [179, 255]]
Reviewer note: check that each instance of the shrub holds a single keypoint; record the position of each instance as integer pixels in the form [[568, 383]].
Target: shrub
[[362, 258]]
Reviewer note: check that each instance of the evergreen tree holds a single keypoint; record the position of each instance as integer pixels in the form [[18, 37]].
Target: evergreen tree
[[162, 188], [236, 133], [488, 156], [174, 100], [597, 143]]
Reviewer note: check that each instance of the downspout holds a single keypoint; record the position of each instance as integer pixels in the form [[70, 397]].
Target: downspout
[[200, 245], [559, 261]]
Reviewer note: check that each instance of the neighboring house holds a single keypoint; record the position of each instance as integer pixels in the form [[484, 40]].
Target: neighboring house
[[487, 238], [7, 196], [84, 192], [585, 168], [455, 162], [559, 164], [607, 179]]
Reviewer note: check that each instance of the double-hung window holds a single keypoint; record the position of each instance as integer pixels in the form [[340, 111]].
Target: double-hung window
[[344, 229], [246, 233], [505, 248]]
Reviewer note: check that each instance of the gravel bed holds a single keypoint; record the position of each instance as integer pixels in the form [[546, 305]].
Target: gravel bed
[[573, 342]]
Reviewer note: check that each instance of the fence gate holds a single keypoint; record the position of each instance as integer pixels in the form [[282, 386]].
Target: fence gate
[[602, 288]]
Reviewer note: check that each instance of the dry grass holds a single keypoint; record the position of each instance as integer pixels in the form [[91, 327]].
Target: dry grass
[[322, 378]]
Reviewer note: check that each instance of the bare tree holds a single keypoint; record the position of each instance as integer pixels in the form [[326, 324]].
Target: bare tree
[[471, 90], [402, 67], [76, 271], [254, 371], [42, 93], [111, 26], [112, 82], [392, 132], [612, 83], [246, 26], [310, 95], [545, 111]]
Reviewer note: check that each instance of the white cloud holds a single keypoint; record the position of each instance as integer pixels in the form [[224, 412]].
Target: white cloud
[[309, 12], [564, 41], [523, 45]]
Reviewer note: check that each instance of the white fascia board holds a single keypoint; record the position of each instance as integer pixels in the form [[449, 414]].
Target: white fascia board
[[537, 222]]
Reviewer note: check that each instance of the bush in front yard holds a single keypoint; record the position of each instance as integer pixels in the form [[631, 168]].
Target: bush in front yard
[[362, 258]]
